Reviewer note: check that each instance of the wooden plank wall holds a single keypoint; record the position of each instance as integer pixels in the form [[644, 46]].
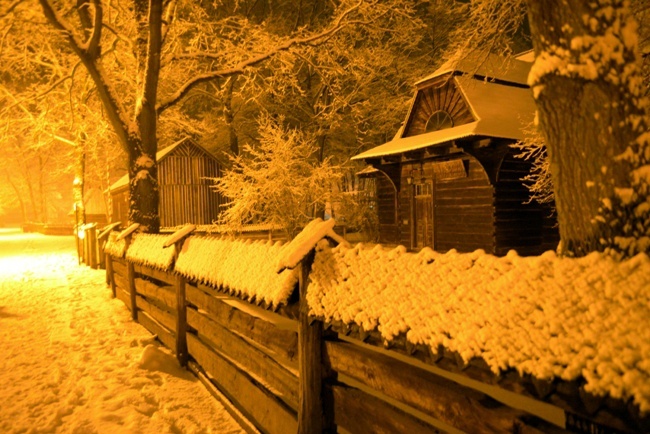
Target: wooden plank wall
[[463, 207], [186, 195]]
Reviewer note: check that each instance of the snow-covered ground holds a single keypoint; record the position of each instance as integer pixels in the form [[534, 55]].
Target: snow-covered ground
[[72, 361]]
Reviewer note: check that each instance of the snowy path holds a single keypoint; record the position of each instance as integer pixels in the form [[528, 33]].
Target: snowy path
[[72, 361]]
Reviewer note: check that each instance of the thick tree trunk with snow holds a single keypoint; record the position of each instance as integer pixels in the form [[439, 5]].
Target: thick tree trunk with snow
[[586, 82]]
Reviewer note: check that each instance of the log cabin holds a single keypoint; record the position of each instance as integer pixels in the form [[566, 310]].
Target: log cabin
[[450, 178], [186, 195]]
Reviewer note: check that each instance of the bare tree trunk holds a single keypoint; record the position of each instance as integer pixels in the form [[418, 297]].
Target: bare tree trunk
[[229, 117], [589, 113]]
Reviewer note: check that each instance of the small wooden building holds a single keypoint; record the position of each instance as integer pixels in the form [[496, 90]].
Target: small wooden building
[[185, 193], [450, 178]]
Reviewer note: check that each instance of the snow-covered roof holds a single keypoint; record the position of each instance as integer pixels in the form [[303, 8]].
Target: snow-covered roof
[[160, 155], [484, 65], [501, 111], [148, 249]]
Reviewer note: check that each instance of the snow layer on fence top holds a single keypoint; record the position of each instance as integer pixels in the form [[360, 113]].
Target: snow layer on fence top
[[304, 242], [545, 316], [241, 267], [147, 249], [115, 247]]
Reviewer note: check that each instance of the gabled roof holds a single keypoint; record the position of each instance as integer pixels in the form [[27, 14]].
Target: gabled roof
[[485, 66], [160, 155], [501, 110]]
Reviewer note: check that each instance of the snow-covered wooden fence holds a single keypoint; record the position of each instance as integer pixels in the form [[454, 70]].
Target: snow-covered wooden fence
[[313, 348]]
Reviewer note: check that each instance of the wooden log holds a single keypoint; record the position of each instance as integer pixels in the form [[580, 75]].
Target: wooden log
[[256, 362], [259, 406], [181, 322], [360, 413], [124, 297], [130, 281], [163, 317], [119, 266], [121, 284], [157, 329], [163, 295], [459, 406], [245, 424], [159, 275], [110, 274], [91, 235], [280, 341], [311, 417]]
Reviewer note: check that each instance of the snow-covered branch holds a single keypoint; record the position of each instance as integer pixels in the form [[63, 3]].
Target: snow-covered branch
[[239, 68]]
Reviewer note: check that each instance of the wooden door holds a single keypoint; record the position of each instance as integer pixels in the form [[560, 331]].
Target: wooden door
[[422, 216]]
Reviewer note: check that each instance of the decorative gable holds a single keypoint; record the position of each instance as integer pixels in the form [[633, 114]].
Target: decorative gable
[[438, 106]]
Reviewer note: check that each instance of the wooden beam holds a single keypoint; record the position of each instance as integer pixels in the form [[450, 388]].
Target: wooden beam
[[456, 405], [259, 406], [360, 413], [167, 319], [157, 329], [130, 281], [163, 295], [310, 343], [282, 382], [282, 342], [181, 321]]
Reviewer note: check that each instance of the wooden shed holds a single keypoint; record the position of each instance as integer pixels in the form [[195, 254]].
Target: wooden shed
[[185, 193], [450, 178]]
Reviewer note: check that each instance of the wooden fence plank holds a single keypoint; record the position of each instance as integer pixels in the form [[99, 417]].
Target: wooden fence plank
[[459, 406], [164, 295], [159, 275], [280, 341], [360, 413], [165, 318], [119, 267], [124, 297], [157, 329], [255, 361], [260, 407]]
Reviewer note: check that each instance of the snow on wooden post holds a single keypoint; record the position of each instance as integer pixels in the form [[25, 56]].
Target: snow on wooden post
[[300, 251], [176, 240], [126, 235]]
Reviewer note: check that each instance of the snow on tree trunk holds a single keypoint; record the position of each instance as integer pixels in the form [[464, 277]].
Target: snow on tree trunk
[[588, 88]]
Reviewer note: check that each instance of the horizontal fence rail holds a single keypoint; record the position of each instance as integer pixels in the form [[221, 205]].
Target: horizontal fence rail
[[280, 370]]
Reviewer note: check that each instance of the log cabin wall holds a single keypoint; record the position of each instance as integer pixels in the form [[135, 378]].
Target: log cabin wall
[[451, 202]]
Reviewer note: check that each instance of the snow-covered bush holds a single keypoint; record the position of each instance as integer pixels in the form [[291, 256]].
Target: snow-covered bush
[[280, 182]]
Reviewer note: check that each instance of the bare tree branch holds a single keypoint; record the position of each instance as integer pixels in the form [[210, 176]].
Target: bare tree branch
[[11, 8]]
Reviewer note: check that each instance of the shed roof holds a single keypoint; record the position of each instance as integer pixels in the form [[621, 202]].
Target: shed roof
[[501, 111], [160, 155], [482, 65]]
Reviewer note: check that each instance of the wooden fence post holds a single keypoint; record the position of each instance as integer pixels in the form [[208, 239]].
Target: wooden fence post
[[91, 235], [181, 313], [310, 347], [130, 277], [110, 274]]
